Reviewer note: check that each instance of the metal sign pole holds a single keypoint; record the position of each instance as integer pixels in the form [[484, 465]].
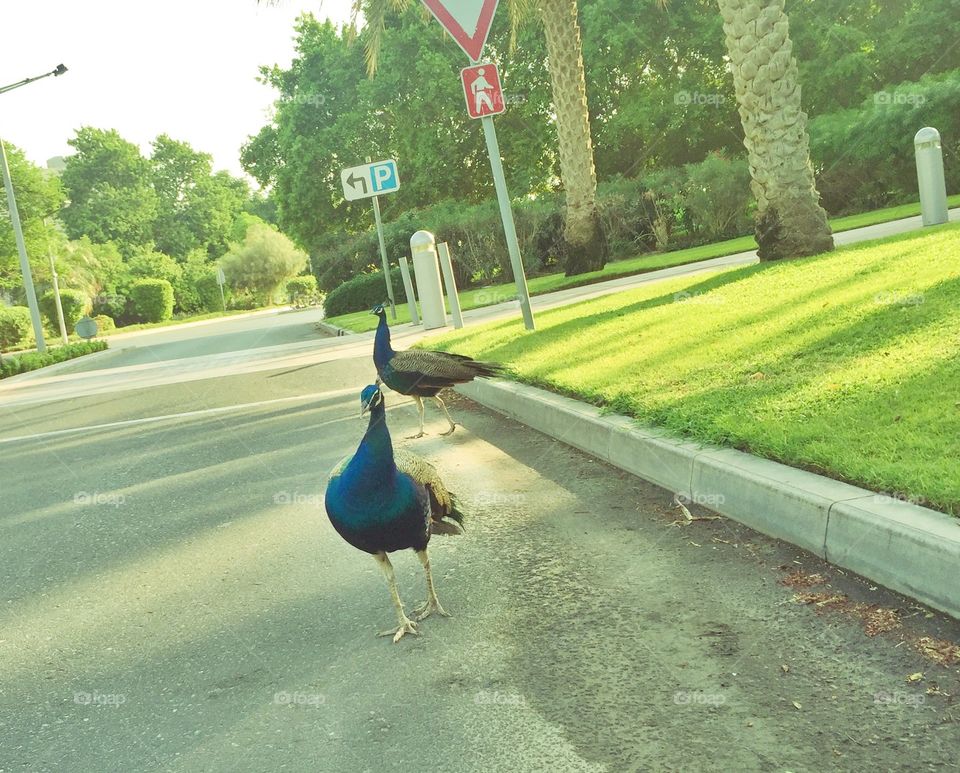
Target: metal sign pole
[[383, 257], [506, 213]]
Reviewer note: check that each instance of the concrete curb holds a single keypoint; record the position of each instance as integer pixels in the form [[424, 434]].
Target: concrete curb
[[334, 330], [910, 549]]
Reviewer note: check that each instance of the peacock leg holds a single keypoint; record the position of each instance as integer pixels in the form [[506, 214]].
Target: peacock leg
[[421, 433], [432, 604], [404, 624], [447, 414]]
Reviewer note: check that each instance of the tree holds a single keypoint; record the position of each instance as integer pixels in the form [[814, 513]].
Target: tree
[[790, 220], [111, 197], [39, 196], [585, 244], [262, 262]]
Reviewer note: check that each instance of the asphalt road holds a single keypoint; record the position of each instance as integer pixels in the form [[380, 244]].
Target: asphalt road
[[172, 596]]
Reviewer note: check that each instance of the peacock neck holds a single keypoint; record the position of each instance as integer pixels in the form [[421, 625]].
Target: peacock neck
[[382, 351], [376, 448]]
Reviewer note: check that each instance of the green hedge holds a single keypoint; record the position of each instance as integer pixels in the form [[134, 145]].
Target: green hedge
[[15, 326], [105, 323], [74, 304], [22, 363], [363, 292], [301, 289], [152, 299]]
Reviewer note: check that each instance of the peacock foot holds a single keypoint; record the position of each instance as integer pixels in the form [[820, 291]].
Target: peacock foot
[[427, 608], [415, 437], [449, 431], [407, 626]]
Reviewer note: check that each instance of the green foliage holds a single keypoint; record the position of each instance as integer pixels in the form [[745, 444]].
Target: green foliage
[[74, 303], [208, 292], [363, 293], [22, 363], [262, 262], [38, 196], [718, 197], [16, 327], [104, 323], [864, 158], [301, 290], [152, 299]]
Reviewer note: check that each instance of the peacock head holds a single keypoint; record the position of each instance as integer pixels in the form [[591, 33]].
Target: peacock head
[[370, 398], [379, 310]]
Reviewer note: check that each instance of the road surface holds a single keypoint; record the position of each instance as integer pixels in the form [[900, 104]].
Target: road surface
[[174, 598]]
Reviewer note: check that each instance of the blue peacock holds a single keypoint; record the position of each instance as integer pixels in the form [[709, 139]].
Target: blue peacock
[[422, 373], [382, 499]]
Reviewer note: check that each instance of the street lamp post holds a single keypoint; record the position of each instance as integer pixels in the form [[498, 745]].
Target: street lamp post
[[15, 220]]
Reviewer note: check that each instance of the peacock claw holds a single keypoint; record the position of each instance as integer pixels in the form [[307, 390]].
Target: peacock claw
[[449, 431], [407, 626], [417, 436], [427, 608]]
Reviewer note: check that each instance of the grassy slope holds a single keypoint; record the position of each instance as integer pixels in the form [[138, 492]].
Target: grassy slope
[[847, 363], [485, 296]]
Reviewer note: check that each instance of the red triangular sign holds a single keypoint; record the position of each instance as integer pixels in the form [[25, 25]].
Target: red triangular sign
[[467, 21]]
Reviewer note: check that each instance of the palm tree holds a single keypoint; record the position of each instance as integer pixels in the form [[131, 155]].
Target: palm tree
[[790, 220], [585, 246]]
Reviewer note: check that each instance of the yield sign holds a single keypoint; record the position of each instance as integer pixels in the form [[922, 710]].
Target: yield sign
[[468, 21]]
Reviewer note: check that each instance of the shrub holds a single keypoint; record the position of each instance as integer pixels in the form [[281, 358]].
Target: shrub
[[718, 196], [15, 326], [105, 323], [208, 291], [152, 299], [22, 363], [301, 289], [363, 293], [74, 305]]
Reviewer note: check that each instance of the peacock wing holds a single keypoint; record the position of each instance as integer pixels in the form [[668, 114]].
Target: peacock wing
[[426, 475], [433, 368]]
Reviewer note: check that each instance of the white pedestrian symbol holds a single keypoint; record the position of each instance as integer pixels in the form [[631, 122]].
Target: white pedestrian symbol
[[481, 88]]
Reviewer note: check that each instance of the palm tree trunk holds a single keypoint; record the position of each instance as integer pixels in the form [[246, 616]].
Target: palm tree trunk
[[585, 246], [790, 220]]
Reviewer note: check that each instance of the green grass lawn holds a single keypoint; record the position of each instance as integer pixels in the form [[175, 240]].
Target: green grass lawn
[[847, 363], [362, 321]]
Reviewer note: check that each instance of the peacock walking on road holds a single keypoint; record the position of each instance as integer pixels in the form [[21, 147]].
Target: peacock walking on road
[[381, 500], [422, 373]]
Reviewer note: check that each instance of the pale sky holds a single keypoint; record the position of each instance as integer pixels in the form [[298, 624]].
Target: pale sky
[[186, 68]]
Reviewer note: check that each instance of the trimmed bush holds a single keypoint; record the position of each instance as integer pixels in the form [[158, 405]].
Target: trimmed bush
[[152, 299], [22, 363], [105, 323], [209, 293], [15, 326], [74, 303], [363, 293], [301, 289]]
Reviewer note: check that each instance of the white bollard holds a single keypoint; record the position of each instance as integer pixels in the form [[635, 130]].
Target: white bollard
[[427, 270], [933, 187], [451, 284], [408, 288]]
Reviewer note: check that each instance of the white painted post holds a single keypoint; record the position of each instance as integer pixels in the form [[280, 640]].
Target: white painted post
[[423, 245], [451, 283], [933, 187], [408, 288]]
